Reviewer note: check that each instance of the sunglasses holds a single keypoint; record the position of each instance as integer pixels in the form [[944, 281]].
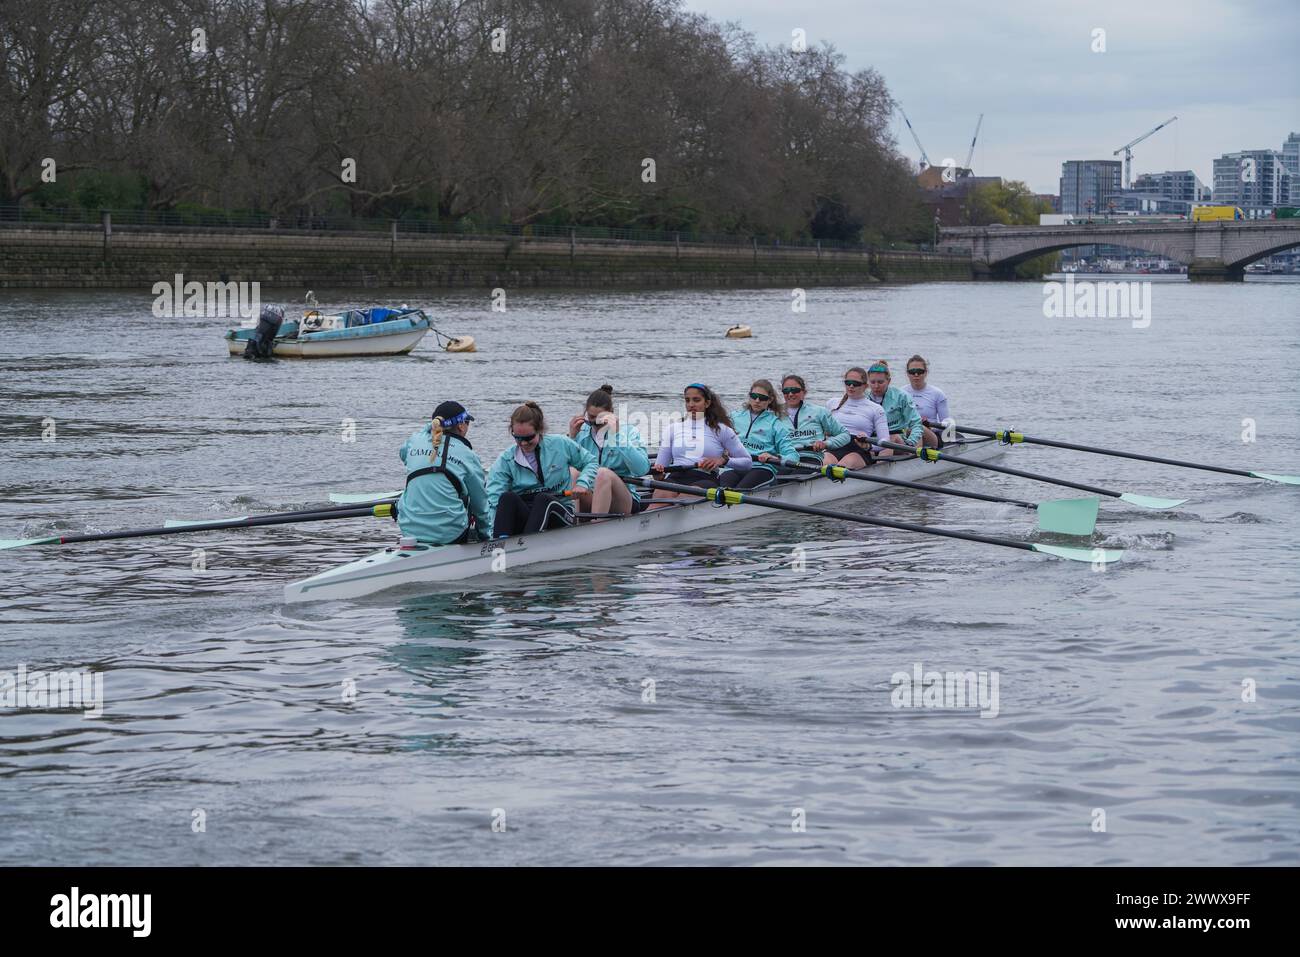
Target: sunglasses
[[521, 439], [853, 383], [791, 391], [916, 372], [760, 397]]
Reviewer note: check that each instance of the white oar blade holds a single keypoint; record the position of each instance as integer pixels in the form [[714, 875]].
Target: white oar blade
[[1068, 516], [1101, 556], [349, 498], [20, 542], [179, 523], [1284, 479], [1150, 501]]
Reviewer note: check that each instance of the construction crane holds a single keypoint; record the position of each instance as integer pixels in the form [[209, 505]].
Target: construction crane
[[925, 160], [1127, 149], [971, 154]]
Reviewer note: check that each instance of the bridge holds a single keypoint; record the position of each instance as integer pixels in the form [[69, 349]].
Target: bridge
[[1212, 252]]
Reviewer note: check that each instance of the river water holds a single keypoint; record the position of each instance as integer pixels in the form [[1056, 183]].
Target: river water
[[1147, 714]]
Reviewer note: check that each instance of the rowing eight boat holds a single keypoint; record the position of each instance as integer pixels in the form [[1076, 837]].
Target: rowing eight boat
[[423, 564]]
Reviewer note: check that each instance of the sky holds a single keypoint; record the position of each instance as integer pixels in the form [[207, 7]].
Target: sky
[[1228, 69]]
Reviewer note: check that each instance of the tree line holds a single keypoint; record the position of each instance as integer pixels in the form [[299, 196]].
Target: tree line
[[628, 113]]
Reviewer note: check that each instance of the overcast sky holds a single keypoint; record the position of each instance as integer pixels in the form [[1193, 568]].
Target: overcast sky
[[1227, 68]]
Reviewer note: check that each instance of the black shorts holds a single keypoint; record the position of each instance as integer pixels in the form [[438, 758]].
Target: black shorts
[[863, 449]]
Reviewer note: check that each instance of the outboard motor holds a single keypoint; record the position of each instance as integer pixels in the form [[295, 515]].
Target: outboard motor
[[263, 338]]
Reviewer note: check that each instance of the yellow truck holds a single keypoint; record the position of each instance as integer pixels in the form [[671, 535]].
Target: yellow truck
[[1213, 214]]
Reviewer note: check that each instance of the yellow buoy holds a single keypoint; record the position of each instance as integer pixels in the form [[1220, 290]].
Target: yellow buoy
[[740, 332], [461, 344]]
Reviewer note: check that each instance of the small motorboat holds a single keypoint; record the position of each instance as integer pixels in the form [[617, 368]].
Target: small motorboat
[[377, 331]]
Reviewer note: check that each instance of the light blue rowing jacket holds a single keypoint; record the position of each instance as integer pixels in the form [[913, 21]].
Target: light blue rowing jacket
[[556, 454], [431, 508], [623, 454], [765, 432]]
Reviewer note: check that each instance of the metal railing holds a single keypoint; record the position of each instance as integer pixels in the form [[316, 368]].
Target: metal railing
[[13, 215]]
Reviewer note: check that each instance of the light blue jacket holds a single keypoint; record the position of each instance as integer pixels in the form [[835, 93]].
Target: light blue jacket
[[814, 423], [556, 454], [765, 432], [901, 414], [430, 508], [624, 453]]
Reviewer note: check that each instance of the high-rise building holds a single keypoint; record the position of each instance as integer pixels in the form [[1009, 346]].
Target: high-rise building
[[1182, 185], [1088, 185], [1252, 178], [1291, 161]]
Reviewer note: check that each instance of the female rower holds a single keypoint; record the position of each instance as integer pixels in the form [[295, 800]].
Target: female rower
[[930, 402], [812, 427], [765, 432], [861, 418], [526, 485], [448, 504], [618, 449], [903, 419], [704, 441]]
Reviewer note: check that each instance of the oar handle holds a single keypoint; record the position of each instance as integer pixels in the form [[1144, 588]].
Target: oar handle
[[1015, 438], [934, 455]]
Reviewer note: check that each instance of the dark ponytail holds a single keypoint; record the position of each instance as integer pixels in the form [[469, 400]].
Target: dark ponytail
[[602, 398]]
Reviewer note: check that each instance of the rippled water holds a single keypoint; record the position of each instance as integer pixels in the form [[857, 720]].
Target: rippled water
[[522, 700]]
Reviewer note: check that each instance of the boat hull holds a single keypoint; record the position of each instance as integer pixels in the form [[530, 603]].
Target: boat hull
[[393, 568], [393, 338]]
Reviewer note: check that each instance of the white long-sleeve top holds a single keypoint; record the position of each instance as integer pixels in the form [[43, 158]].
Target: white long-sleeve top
[[685, 443], [860, 417], [930, 402]]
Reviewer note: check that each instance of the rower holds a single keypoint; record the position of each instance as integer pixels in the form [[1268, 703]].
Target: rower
[[526, 485], [765, 433], [903, 419], [445, 501], [812, 427], [618, 449], [860, 417], [704, 441], [929, 400]]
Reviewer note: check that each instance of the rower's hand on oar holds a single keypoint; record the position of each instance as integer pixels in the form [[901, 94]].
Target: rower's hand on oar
[[711, 463], [657, 468], [819, 446], [766, 457]]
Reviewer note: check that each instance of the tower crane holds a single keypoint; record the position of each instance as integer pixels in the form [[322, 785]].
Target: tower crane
[[1127, 149], [925, 160], [971, 154]]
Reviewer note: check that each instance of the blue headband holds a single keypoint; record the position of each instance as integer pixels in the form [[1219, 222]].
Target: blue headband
[[456, 420], [698, 385]]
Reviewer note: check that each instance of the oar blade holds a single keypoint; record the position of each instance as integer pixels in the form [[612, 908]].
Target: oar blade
[[180, 523], [20, 542], [1151, 501], [1101, 556], [1068, 516], [1284, 479], [361, 498]]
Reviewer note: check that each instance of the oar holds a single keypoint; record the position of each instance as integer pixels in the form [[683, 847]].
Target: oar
[[188, 523], [378, 511], [1014, 438], [1066, 516], [728, 496], [934, 455]]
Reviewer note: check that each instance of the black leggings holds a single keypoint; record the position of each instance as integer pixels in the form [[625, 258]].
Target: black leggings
[[749, 479], [517, 515]]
